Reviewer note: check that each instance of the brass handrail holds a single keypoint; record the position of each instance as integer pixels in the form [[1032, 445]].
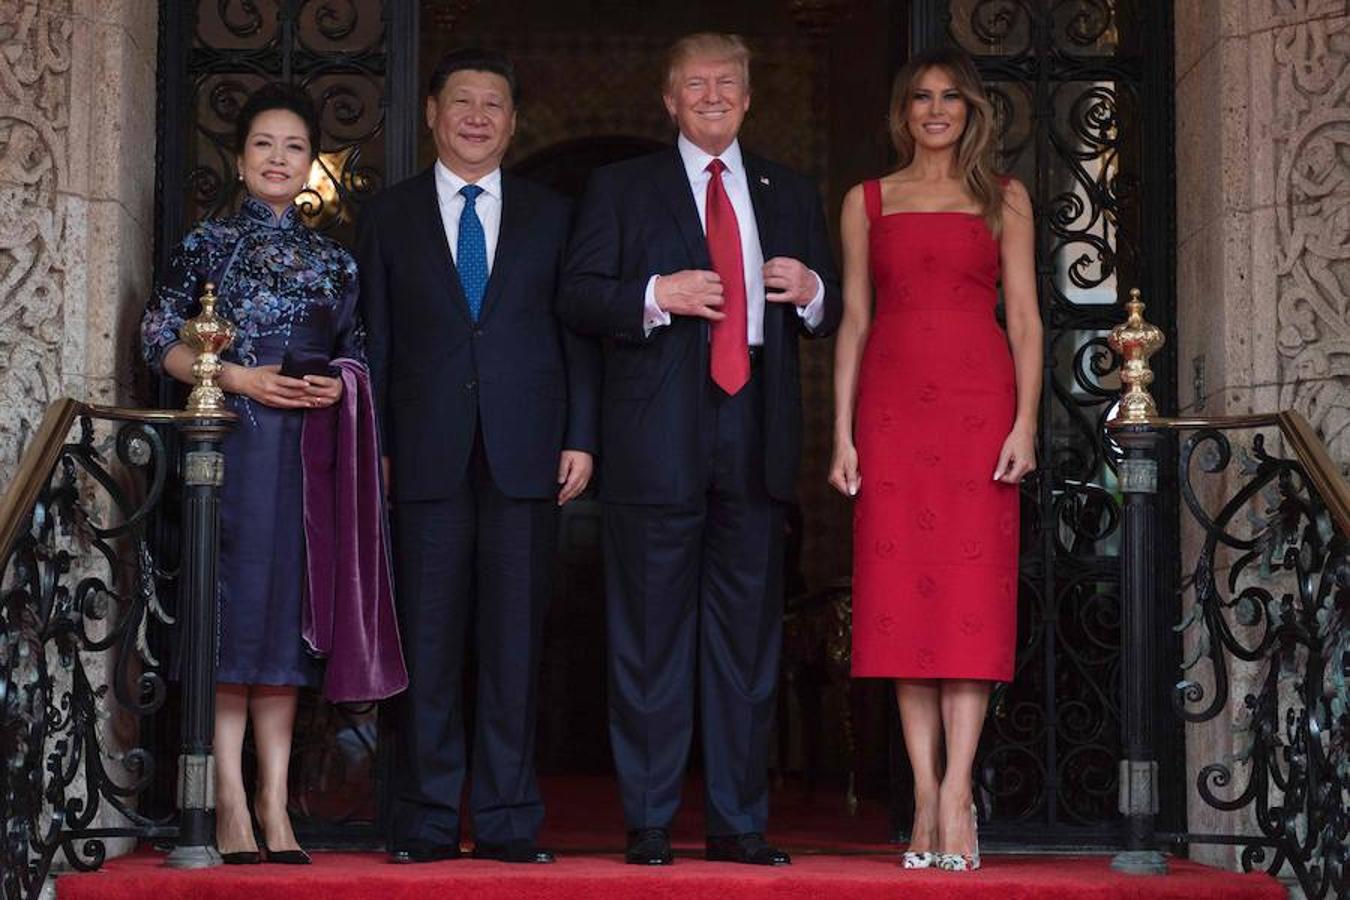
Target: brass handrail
[[1297, 432], [44, 449], [37, 461]]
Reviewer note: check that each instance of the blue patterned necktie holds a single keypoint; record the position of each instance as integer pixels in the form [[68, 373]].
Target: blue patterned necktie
[[471, 252]]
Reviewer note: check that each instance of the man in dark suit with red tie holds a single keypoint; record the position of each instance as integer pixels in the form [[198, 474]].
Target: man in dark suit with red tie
[[488, 411], [699, 266]]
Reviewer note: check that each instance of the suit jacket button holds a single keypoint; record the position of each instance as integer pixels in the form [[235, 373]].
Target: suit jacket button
[[478, 332], [470, 384]]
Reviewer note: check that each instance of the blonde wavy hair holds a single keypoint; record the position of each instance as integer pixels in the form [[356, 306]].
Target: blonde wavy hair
[[975, 149], [707, 45]]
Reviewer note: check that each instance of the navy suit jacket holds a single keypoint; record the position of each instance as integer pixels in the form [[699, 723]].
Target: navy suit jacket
[[638, 219], [528, 382]]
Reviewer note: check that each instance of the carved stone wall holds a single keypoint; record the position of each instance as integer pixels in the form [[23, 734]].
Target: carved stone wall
[[1263, 224], [77, 138], [77, 168], [1264, 238]]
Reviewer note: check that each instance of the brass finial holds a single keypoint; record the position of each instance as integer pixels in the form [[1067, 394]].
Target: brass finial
[[209, 335], [1135, 340]]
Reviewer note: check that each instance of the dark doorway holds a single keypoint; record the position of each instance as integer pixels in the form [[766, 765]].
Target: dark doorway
[[1083, 90], [566, 166], [573, 718]]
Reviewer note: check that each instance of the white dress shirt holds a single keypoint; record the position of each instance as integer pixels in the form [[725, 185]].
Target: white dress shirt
[[488, 206], [737, 187]]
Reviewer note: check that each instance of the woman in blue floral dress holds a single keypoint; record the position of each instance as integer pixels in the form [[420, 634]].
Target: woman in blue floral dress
[[286, 289]]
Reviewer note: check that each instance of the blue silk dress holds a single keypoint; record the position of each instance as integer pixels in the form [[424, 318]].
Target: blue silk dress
[[283, 286]]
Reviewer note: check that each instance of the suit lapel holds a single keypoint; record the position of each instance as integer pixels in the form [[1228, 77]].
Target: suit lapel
[[434, 228], [762, 199], [510, 234], [674, 185], [766, 217]]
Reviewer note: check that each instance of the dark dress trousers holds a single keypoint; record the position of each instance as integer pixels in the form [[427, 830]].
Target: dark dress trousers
[[693, 484], [474, 415]]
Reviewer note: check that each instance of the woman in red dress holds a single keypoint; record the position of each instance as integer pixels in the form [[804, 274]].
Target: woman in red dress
[[935, 424]]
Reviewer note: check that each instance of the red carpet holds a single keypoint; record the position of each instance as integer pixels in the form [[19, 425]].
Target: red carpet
[[584, 814], [351, 876], [837, 857]]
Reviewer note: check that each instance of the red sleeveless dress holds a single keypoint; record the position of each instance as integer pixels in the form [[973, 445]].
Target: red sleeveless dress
[[935, 538]]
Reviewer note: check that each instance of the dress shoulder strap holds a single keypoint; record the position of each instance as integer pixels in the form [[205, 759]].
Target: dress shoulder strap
[[872, 199]]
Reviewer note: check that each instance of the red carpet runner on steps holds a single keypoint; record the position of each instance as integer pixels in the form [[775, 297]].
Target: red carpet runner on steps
[[836, 857], [350, 876]]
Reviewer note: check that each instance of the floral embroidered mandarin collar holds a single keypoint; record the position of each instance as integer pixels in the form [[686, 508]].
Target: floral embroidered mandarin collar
[[257, 212]]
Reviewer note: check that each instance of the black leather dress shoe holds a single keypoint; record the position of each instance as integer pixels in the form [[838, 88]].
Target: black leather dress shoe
[[649, 847], [422, 852], [241, 858], [749, 848], [512, 853]]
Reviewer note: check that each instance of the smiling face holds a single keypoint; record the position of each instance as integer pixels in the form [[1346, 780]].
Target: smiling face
[[276, 158], [472, 120], [937, 111], [708, 99]]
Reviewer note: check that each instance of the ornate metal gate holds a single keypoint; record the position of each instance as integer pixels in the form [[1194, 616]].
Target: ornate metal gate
[[357, 59], [1083, 91]]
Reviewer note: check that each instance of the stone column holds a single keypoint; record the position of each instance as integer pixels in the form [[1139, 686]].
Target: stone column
[[1263, 266], [77, 169]]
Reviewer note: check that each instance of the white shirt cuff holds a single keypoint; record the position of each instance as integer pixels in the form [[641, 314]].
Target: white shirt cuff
[[813, 313], [653, 316]]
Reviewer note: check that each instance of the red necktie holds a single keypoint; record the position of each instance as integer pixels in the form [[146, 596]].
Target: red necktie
[[730, 354]]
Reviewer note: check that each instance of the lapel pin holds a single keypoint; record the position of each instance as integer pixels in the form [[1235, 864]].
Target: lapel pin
[[764, 180]]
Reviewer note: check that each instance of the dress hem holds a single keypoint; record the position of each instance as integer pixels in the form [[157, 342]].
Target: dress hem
[[271, 679], [935, 676]]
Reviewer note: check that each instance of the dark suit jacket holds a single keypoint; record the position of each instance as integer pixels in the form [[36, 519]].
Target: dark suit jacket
[[437, 374], [638, 219]]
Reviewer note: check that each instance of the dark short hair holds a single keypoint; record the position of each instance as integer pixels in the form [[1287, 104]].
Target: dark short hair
[[278, 95], [476, 59]]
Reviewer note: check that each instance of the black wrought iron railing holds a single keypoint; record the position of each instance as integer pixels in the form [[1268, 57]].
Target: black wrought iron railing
[[1262, 686], [80, 673], [1263, 622]]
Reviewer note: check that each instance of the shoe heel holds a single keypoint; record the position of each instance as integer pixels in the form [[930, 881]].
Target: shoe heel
[[959, 862]]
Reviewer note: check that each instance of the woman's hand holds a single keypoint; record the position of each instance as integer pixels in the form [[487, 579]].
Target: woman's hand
[[267, 386], [323, 391], [844, 469], [1017, 459]]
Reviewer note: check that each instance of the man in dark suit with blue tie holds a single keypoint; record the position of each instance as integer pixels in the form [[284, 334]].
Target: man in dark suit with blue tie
[[699, 266], [488, 409]]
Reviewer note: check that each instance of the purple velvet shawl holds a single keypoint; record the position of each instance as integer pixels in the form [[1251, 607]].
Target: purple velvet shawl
[[349, 614]]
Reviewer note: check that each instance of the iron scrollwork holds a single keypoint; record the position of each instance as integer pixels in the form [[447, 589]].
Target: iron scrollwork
[[336, 50], [1277, 617], [79, 588], [1073, 102]]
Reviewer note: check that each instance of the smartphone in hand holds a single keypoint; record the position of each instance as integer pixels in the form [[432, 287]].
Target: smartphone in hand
[[299, 364]]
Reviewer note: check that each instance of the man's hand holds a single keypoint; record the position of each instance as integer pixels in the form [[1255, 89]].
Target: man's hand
[[691, 292], [574, 473], [788, 281]]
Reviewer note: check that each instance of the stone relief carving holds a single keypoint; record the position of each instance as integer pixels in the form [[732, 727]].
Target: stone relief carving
[[35, 48], [1311, 129]]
